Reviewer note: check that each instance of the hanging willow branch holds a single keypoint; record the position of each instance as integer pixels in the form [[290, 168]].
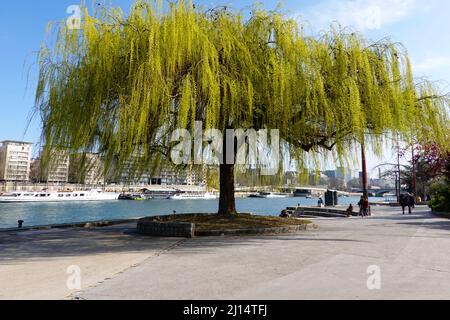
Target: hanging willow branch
[[115, 84]]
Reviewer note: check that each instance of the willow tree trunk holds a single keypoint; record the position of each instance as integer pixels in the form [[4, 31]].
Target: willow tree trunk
[[227, 202], [365, 180]]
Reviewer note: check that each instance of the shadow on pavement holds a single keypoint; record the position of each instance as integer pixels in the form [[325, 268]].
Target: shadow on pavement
[[400, 217], [42, 245], [438, 225], [35, 245]]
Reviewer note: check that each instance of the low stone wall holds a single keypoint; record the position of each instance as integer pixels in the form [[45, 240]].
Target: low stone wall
[[150, 227], [160, 227], [256, 231]]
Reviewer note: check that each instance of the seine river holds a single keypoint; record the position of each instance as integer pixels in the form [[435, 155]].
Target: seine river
[[37, 214]]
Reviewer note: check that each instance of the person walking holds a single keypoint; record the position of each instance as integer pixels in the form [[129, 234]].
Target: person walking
[[411, 202], [366, 207], [360, 205], [320, 203], [403, 202]]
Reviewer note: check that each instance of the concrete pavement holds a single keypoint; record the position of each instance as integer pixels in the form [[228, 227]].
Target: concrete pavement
[[410, 254], [35, 264]]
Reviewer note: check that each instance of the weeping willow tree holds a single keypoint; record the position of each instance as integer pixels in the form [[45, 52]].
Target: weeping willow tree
[[112, 85]]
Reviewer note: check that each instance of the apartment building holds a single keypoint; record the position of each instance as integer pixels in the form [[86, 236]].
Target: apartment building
[[196, 177], [15, 161], [164, 175], [55, 170], [87, 169], [58, 171]]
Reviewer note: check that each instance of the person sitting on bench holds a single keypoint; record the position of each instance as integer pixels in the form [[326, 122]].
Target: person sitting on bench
[[349, 211]]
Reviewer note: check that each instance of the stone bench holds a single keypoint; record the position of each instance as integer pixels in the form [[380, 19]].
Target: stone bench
[[304, 212], [323, 214]]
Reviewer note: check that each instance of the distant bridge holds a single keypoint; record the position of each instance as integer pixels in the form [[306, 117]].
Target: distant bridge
[[308, 190], [288, 189], [377, 192], [315, 190]]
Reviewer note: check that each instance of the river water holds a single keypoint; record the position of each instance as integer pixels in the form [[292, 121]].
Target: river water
[[38, 214]]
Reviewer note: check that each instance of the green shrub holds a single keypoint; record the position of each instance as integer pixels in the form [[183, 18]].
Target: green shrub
[[441, 198]]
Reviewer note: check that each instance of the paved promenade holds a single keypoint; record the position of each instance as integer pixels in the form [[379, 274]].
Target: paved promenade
[[409, 253]]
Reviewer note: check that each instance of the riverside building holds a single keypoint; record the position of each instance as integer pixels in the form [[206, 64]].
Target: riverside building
[[55, 171], [15, 161]]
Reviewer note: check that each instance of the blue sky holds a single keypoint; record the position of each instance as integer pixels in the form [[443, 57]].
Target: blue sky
[[422, 26]]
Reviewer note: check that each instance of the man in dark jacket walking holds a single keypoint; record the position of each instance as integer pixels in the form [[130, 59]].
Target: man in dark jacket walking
[[403, 202], [411, 202]]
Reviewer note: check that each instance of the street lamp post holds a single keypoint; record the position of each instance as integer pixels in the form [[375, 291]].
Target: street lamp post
[[399, 170], [414, 175], [397, 185], [365, 181]]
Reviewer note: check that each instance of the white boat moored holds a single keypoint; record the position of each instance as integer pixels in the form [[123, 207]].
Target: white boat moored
[[193, 196], [44, 196], [270, 195]]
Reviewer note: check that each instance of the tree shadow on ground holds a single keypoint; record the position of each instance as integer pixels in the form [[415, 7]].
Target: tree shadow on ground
[[42, 245], [419, 218], [31, 246], [437, 225], [406, 217]]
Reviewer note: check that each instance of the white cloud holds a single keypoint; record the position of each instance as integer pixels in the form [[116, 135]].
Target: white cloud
[[432, 64], [361, 15]]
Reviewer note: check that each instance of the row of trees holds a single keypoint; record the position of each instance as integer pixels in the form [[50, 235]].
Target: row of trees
[[123, 83], [432, 171], [427, 174]]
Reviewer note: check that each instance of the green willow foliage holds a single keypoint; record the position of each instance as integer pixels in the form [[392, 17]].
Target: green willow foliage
[[113, 85]]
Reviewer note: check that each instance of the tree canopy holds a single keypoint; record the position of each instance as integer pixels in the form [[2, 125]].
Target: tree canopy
[[112, 85]]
